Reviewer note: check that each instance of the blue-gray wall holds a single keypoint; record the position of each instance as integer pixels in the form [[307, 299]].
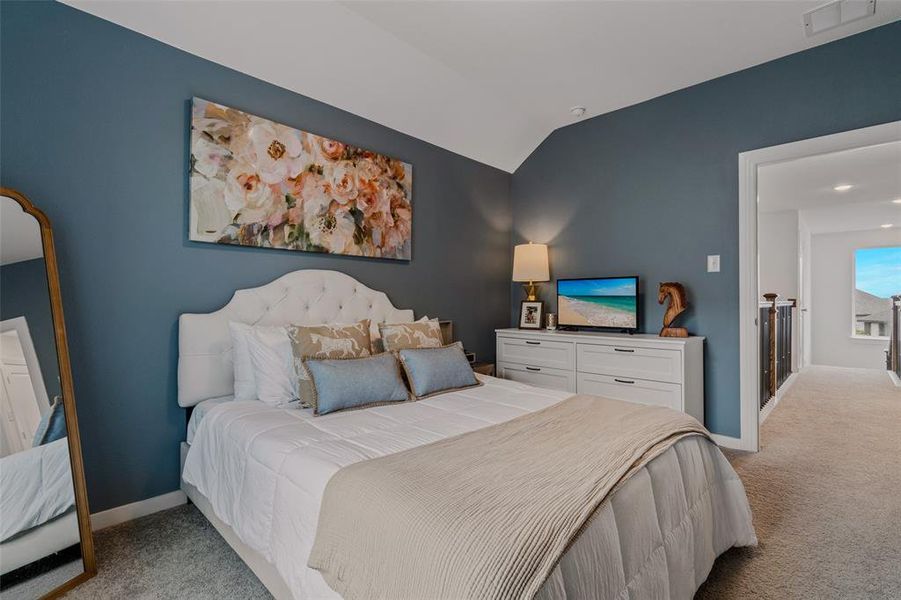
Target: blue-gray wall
[[653, 188], [24, 293], [94, 122]]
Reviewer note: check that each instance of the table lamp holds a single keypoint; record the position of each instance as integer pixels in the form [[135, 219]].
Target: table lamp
[[530, 265]]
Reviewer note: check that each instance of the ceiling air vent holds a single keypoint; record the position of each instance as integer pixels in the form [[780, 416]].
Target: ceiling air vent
[[835, 14]]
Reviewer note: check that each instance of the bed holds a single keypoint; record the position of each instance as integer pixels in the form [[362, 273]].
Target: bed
[[258, 472], [40, 519]]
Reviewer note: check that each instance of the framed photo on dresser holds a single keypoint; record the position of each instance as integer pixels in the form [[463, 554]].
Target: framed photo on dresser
[[531, 313]]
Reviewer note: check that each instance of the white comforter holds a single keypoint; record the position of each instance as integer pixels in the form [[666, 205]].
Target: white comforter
[[265, 469], [35, 486]]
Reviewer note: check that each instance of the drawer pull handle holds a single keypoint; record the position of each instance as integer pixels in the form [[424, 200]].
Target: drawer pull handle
[[625, 349], [533, 343], [622, 380], [533, 369]]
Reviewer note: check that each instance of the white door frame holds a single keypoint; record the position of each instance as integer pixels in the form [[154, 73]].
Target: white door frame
[[20, 326], [749, 294]]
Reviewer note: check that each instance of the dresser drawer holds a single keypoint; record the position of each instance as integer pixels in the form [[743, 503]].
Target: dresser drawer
[[640, 391], [630, 362], [537, 353], [544, 377]]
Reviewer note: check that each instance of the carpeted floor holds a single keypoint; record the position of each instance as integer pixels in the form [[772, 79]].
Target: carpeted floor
[[168, 555], [825, 491]]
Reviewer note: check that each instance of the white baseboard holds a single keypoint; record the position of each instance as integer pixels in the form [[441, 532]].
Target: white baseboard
[[780, 394], [141, 508], [895, 379], [789, 381]]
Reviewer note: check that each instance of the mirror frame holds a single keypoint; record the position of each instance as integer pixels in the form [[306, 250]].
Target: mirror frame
[[68, 393]]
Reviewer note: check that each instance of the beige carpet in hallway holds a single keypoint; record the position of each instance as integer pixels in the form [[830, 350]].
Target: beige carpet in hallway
[[825, 491]]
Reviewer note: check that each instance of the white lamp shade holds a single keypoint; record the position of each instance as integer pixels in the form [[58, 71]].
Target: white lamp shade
[[530, 263]]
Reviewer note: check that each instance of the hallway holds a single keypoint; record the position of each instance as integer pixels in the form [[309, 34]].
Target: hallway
[[825, 491]]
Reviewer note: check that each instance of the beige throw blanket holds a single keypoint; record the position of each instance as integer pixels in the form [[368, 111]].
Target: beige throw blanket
[[485, 514]]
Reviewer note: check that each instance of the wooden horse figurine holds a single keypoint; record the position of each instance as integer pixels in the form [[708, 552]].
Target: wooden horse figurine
[[677, 305]]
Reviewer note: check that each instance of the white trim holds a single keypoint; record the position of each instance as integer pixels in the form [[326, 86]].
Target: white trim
[[895, 379], [748, 302], [727, 441], [135, 510], [749, 294], [20, 326]]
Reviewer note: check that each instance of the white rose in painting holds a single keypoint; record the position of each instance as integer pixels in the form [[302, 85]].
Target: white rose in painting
[[342, 179], [247, 196], [311, 191], [209, 215], [277, 151], [208, 156], [334, 232]]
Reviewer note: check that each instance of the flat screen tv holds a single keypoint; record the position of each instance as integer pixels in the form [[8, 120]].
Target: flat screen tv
[[601, 302]]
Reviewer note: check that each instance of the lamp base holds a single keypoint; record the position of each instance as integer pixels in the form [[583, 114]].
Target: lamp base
[[531, 291]]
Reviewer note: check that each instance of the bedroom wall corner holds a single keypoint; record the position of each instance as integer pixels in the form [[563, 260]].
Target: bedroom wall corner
[[95, 125], [652, 189]]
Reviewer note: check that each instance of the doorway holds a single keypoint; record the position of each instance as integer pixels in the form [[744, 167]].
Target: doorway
[[23, 397], [751, 293]]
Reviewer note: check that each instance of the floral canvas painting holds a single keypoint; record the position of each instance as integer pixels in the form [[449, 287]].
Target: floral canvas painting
[[259, 183]]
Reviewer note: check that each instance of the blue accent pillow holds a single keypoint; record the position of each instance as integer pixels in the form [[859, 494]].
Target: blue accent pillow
[[52, 426], [434, 370], [343, 383]]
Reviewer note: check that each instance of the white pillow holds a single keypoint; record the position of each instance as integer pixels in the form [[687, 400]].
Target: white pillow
[[245, 383], [273, 365]]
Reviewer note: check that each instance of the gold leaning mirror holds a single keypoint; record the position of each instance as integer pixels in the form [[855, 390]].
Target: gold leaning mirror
[[46, 546]]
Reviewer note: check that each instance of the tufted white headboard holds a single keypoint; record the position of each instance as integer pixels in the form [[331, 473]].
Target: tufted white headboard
[[308, 297]]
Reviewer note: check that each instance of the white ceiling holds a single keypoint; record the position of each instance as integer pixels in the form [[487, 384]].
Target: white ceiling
[[486, 79], [20, 234], [806, 185]]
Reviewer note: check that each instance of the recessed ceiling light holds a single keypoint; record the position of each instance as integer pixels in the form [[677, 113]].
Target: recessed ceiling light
[[886, 225], [577, 111], [896, 201], [843, 187]]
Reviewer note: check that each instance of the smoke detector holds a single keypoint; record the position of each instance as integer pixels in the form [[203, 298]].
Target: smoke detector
[[577, 111], [837, 13]]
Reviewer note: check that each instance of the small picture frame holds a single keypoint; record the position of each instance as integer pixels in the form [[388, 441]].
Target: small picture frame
[[531, 314]]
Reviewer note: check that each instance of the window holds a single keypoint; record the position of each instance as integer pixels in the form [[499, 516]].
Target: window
[[877, 277]]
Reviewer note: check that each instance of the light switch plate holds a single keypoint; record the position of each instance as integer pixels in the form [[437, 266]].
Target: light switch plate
[[713, 263]]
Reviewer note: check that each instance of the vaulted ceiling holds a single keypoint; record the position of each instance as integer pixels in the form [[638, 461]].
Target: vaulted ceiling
[[486, 79]]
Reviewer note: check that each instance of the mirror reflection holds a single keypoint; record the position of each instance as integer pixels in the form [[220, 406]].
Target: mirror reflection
[[39, 537]]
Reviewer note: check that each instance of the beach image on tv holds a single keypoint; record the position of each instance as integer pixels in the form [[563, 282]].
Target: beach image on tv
[[598, 302]]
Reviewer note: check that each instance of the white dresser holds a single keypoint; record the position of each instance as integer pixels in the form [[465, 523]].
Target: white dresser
[[643, 368]]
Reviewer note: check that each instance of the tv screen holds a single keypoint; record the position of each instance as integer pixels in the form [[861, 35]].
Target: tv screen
[[610, 302]]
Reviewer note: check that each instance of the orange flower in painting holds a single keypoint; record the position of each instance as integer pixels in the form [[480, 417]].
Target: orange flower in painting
[[371, 201], [331, 149]]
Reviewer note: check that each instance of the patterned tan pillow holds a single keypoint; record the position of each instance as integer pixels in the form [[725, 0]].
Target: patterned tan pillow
[[325, 341], [421, 334]]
